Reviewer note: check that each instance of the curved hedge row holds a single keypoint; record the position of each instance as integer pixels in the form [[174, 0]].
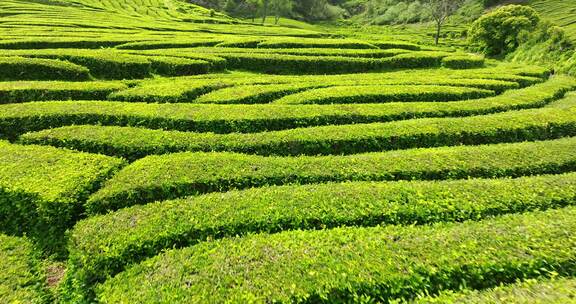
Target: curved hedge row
[[113, 64], [57, 43], [175, 66], [551, 291], [176, 175], [133, 143], [42, 189], [16, 119], [21, 280], [18, 68], [148, 90], [16, 92], [283, 43], [20, 118], [365, 53], [102, 63], [132, 234], [292, 64], [383, 93], [168, 91], [253, 94], [151, 45], [463, 62], [387, 44], [345, 265]]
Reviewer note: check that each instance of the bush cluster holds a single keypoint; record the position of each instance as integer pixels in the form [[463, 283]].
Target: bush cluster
[[346, 264], [19, 68], [176, 175], [42, 189], [189, 221]]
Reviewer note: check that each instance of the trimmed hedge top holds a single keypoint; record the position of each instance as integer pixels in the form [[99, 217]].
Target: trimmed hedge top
[[20, 118], [552, 291], [133, 143], [175, 175], [18, 68], [382, 93], [50, 173], [21, 280], [42, 190], [102, 245], [344, 265]]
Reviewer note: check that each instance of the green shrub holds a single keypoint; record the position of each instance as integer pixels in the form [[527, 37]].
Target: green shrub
[[252, 94], [15, 92], [240, 43], [174, 66], [499, 32], [16, 119], [56, 43], [396, 45], [383, 94], [107, 64], [416, 60], [216, 63], [365, 53], [21, 279], [539, 124], [283, 43], [463, 62], [552, 291], [18, 68], [185, 222], [150, 45], [42, 189], [168, 91], [345, 265], [176, 175], [292, 64]]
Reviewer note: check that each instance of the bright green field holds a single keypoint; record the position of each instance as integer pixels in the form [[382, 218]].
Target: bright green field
[[561, 12], [153, 151]]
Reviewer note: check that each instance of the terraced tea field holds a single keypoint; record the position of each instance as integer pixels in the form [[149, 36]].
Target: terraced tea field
[[560, 12], [158, 152]]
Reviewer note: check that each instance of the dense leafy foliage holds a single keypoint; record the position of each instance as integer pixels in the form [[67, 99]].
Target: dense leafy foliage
[[345, 264], [500, 32]]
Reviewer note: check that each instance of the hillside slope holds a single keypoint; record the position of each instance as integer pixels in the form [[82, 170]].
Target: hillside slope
[[117, 20], [561, 12]]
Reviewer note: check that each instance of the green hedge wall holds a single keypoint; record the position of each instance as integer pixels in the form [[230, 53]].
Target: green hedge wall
[[174, 66], [16, 119], [42, 190], [524, 125], [463, 62], [17, 92], [186, 222], [552, 291], [21, 278], [383, 94], [176, 175], [348, 265], [18, 68]]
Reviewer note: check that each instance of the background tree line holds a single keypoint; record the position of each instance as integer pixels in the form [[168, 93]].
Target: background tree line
[[308, 10]]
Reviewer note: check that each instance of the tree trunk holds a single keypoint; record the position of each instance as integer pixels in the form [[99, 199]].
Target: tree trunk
[[438, 31], [264, 11]]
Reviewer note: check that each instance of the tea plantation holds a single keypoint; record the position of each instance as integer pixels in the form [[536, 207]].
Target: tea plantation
[[156, 151]]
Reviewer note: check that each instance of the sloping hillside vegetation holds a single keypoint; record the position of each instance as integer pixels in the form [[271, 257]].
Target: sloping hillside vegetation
[[164, 151]]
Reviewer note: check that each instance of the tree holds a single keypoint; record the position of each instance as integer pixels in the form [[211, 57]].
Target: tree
[[281, 8], [264, 5], [500, 31], [440, 10]]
